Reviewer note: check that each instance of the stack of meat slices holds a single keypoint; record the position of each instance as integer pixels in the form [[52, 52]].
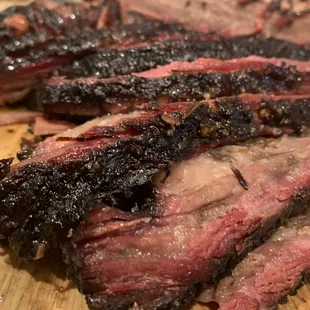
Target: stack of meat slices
[[196, 152], [41, 37]]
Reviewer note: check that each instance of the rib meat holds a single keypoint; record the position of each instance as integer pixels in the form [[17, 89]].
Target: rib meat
[[208, 212], [113, 160], [97, 96], [270, 272]]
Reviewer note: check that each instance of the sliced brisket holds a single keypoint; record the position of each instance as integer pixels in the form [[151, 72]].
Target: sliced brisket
[[113, 160], [23, 71], [153, 206], [27, 30], [202, 220], [42, 22], [278, 18], [270, 272], [81, 40], [53, 18], [110, 62], [96, 96]]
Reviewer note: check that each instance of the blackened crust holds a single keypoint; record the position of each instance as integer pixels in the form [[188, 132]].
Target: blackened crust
[[78, 41], [44, 23], [34, 198], [45, 190], [5, 166], [96, 93], [107, 62]]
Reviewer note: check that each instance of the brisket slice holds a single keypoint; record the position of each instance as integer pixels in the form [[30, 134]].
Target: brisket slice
[[24, 71], [274, 18], [41, 23], [269, 273], [5, 166], [111, 62], [113, 160], [95, 96], [79, 40], [202, 221], [52, 17], [216, 65]]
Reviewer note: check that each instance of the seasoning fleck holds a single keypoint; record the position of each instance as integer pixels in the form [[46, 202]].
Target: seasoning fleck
[[239, 177]]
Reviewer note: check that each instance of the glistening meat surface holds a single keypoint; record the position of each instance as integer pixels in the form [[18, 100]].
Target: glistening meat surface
[[114, 159], [52, 17], [112, 62], [27, 29], [96, 96], [270, 272], [80, 40], [20, 63], [203, 218], [186, 45]]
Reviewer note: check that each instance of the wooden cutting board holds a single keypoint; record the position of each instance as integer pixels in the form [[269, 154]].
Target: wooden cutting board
[[42, 285]]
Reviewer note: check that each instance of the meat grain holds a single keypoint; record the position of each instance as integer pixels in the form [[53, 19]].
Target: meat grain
[[205, 219]]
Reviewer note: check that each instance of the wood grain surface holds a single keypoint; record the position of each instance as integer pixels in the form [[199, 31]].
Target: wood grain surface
[[42, 285]]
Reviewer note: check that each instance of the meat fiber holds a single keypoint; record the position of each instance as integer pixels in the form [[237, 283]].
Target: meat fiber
[[113, 159], [270, 272], [278, 18], [96, 96], [79, 40], [111, 62], [206, 214]]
